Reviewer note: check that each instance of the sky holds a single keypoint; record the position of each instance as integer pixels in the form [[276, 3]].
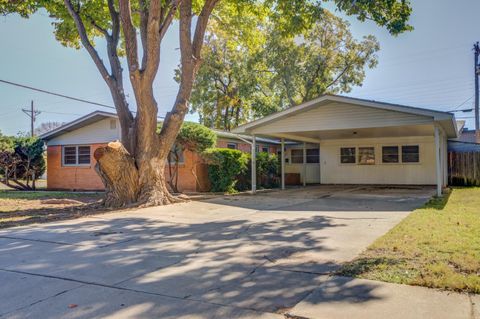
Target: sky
[[430, 67]]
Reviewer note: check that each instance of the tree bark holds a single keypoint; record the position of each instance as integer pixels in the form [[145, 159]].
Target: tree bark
[[133, 170]]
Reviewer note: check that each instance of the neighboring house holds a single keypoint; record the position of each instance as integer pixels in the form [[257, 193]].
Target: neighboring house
[[355, 141], [70, 148]]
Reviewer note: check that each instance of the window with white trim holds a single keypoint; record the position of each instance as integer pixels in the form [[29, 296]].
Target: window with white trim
[[390, 154], [265, 149], [410, 154], [176, 154], [366, 155], [232, 146], [347, 155], [76, 155]]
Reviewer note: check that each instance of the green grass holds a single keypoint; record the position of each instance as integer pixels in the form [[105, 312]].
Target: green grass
[[436, 246], [31, 195]]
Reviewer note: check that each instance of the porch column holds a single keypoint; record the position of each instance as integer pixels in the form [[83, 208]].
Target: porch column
[[282, 165], [304, 164], [254, 164], [438, 164], [319, 165]]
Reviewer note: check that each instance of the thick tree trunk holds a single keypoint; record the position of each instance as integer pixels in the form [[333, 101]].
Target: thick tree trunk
[[117, 170]]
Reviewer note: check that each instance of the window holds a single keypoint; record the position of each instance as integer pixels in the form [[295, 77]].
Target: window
[[232, 146], [410, 154], [84, 155], [366, 155], [176, 153], [313, 155], [113, 124], [297, 156], [347, 155], [257, 148], [76, 155], [390, 154], [265, 149]]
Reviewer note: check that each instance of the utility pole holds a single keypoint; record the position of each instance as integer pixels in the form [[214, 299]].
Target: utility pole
[[32, 113], [476, 50]]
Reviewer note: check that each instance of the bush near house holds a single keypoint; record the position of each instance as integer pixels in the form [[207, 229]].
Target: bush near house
[[21, 161], [224, 165], [268, 172]]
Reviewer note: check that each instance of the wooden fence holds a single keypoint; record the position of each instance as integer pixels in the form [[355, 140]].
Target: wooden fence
[[464, 168]]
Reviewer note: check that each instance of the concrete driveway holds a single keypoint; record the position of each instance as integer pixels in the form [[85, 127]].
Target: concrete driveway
[[263, 256]]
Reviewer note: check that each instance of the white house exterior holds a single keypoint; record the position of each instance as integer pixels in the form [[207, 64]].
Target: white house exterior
[[360, 142]]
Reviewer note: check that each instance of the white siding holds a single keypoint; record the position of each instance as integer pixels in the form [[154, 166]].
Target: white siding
[[341, 116], [333, 172], [98, 132], [313, 169]]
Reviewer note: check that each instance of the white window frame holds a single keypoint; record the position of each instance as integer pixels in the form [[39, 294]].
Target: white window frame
[[340, 155], [235, 146], [399, 154], [374, 155], [419, 154], [76, 156]]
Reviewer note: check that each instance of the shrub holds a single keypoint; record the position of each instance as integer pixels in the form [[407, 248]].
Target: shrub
[[224, 165], [268, 170], [21, 158]]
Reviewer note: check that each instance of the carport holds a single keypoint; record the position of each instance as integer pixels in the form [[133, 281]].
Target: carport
[[360, 142]]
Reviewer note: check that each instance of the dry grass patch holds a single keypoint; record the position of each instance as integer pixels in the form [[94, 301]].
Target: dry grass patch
[[22, 208], [436, 246]]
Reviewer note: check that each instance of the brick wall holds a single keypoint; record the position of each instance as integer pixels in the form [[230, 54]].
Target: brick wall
[[192, 174], [71, 177]]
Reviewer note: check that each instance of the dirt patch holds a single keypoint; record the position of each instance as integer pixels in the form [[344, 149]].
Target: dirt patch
[[16, 211]]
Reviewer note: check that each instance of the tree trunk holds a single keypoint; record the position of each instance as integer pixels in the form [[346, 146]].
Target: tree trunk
[[117, 170]]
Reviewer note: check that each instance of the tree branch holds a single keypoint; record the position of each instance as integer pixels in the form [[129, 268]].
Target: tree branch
[[201, 27], [143, 29], [86, 42], [130, 37], [167, 20], [151, 54]]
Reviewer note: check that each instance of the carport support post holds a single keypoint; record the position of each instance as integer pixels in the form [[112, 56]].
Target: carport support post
[[304, 164], [438, 165], [254, 164], [282, 165]]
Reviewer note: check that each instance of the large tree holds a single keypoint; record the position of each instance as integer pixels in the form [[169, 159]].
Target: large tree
[[248, 77], [133, 169]]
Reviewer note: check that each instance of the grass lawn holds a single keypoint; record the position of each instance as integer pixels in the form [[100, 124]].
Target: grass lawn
[[27, 207], [436, 246]]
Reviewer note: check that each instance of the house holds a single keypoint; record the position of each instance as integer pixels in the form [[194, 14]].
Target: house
[[70, 148], [344, 140]]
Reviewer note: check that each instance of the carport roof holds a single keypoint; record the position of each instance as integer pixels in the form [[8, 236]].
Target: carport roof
[[446, 119]]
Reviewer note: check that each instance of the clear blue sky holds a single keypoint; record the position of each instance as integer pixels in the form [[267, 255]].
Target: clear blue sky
[[430, 67]]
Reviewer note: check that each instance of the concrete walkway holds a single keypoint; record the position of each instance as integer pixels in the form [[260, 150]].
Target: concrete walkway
[[264, 256]]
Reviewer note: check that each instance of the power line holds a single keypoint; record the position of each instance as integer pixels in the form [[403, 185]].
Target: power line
[[56, 94], [64, 96]]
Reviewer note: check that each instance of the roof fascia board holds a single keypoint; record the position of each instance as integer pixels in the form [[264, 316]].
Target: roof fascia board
[[436, 115]]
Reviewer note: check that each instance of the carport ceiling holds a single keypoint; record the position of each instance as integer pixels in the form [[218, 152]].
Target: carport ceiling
[[394, 131]]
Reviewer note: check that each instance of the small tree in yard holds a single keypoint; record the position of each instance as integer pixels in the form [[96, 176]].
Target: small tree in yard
[[133, 169], [21, 158], [193, 137]]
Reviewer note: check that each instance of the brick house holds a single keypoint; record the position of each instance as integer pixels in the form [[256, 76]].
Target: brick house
[[71, 165]]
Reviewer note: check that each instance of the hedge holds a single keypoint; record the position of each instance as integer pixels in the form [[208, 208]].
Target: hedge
[[224, 166]]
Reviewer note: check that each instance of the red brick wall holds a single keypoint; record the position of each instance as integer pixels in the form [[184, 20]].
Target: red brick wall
[[71, 177], [192, 174]]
